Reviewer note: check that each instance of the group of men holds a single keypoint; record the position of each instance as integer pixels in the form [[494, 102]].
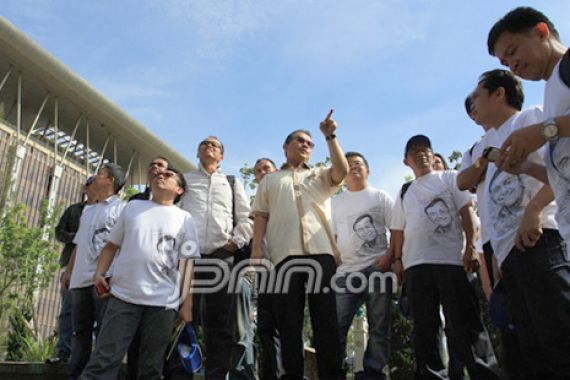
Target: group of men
[[131, 264]]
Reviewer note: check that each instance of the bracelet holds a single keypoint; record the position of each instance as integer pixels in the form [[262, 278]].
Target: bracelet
[[331, 137]]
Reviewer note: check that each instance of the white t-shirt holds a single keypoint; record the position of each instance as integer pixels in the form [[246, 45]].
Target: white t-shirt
[[557, 154], [507, 195], [429, 217], [94, 227], [469, 159], [360, 221], [152, 238]]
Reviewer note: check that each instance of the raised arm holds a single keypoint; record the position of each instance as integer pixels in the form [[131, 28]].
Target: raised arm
[[339, 168]]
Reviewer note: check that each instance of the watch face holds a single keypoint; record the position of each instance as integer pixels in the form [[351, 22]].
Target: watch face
[[550, 131]]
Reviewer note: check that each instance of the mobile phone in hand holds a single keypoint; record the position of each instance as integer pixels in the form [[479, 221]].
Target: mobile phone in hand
[[100, 288], [491, 153]]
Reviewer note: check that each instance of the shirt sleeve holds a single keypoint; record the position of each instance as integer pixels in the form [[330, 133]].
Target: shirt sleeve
[[261, 202], [467, 160], [243, 230], [61, 231], [388, 208], [460, 197], [117, 233], [398, 221], [191, 246]]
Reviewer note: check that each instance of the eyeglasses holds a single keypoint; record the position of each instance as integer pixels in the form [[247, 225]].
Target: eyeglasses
[[211, 144], [302, 140]]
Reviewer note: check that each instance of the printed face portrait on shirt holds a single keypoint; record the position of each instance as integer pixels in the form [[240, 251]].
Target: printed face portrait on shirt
[[560, 160], [167, 255], [439, 214], [368, 236], [506, 190], [98, 240]]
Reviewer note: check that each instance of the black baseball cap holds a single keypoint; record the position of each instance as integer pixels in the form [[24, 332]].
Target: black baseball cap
[[417, 140]]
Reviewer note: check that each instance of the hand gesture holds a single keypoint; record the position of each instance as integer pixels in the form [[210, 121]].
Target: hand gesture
[[530, 229], [470, 262], [328, 126], [520, 144]]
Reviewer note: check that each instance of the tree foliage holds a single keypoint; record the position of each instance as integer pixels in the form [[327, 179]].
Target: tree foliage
[[29, 260]]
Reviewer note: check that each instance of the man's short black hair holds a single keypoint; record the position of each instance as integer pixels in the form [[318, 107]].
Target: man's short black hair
[[290, 136], [356, 154], [443, 161], [468, 104], [118, 173], [494, 79], [264, 159], [519, 20], [181, 182]]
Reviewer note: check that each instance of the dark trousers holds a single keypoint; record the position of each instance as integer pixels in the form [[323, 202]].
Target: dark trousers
[[121, 322], [218, 319], [430, 285], [512, 360], [538, 284], [290, 306], [86, 317], [64, 324], [270, 356]]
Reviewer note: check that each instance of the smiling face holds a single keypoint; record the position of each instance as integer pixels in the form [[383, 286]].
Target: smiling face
[[525, 54], [357, 170], [438, 164], [420, 159]]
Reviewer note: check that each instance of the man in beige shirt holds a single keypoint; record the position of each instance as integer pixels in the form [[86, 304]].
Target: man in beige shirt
[[292, 210]]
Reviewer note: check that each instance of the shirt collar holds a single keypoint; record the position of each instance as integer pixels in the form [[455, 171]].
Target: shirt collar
[[287, 166], [203, 171]]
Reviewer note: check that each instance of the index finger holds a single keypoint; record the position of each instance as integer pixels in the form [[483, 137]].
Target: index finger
[[329, 115]]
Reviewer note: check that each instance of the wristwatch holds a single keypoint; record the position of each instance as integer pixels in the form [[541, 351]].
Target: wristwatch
[[550, 130]]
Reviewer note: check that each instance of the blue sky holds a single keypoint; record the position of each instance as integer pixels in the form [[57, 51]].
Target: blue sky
[[250, 71]]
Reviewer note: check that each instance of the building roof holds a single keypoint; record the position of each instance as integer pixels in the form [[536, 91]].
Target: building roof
[[43, 73]]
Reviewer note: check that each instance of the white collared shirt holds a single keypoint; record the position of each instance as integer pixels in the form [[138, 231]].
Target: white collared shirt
[[209, 200]]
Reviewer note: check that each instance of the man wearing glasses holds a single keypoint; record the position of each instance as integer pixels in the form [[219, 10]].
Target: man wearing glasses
[[222, 219], [293, 207]]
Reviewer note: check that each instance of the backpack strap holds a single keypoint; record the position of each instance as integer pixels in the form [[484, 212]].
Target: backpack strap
[[232, 181], [564, 68], [405, 188]]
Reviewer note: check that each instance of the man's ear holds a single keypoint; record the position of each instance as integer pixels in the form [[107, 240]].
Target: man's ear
[[405, 161], [542, 30], [179, 190]]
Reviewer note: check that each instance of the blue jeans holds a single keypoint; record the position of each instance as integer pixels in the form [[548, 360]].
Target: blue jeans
[[86, 315], [378, 314], [538, 285], [64, 328]]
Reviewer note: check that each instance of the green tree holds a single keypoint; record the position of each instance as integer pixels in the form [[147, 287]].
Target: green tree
[[29, 260]]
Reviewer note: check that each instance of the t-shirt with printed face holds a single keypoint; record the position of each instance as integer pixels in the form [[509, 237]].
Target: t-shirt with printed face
[[557, 153], [507, 195], [94, 228], [468, 160], [360, 221], [429, 216], [153, 238]]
